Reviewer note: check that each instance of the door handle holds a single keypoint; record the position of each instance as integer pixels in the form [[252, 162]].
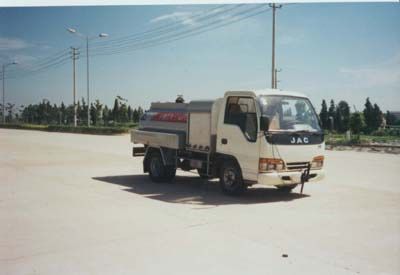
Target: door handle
[[224, 141]]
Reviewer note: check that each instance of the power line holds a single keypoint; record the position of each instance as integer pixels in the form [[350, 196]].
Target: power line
[[165, 29], [52, 65], [186, 33], [214, 18], [40, 62], [38, 66], [182, 31]]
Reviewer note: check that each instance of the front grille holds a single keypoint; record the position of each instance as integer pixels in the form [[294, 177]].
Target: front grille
[[296, 165]]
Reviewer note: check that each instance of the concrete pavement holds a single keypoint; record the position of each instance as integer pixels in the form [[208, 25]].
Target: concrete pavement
[[79, 204]]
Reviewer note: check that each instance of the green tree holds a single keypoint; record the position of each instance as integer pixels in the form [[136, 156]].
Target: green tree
[[10, 111], [69, 114], [93, 114], [135, 115], [115, 111], [98, 111], [63, 112], [323, 115], [390, 118], [342, 117], [369, 116], [356, 122], [130, 113], [79, 112], [55, 114], [83, 112], [123, 113], [140, 111], [377, 117], [106, 114], [332, 114], [373, 116]]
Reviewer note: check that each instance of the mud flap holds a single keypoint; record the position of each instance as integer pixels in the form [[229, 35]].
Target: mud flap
[[305, 176]]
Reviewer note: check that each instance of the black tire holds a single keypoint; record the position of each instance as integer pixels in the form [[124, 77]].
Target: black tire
[[230, 179], [202, 173], [158, 172], [286, 188], [170, 172]]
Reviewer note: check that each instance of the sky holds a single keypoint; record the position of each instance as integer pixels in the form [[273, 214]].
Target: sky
[[340, 51]]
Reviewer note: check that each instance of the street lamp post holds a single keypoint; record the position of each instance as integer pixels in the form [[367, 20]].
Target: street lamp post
[[4, 66], [87, 39]]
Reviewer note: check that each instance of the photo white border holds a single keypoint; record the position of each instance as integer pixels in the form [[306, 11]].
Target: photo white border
[[53, 3]]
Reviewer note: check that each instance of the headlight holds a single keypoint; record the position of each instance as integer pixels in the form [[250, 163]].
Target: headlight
[[317, 162], [268, 165]]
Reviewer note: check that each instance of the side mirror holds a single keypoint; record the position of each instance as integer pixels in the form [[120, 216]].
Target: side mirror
[[264, 123]]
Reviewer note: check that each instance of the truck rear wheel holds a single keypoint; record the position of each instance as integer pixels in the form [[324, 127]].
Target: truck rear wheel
[[230, 179], [202, 173], [159, 172]]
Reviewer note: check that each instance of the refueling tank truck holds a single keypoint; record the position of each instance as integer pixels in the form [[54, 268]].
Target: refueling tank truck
[[268, 137]]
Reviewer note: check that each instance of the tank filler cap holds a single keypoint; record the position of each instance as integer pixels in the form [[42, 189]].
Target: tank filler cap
[[179, 99]]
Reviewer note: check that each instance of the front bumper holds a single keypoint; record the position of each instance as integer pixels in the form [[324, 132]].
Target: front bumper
[[288, 177]]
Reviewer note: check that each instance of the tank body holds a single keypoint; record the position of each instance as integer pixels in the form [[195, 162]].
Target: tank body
[[191, 121]]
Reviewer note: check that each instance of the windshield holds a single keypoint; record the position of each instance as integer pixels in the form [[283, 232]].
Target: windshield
[[288, 113]]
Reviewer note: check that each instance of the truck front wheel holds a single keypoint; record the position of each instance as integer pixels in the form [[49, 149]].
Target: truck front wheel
[[230, 179], [286, 188], [158, 171]]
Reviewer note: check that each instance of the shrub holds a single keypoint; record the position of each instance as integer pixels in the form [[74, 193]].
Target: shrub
[[24, 126], [379, 133], [70, 129], [88, 130]]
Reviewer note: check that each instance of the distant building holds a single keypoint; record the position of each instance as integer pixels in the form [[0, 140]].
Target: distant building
[[396, 114]]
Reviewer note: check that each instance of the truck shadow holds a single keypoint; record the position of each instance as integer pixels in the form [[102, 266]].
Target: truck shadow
[[196, 191]]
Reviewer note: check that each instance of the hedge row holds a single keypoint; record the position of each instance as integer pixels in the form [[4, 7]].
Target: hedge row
[[24, 126], [96, 130]]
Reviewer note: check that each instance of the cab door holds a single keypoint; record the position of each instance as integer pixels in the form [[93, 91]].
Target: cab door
[[237, 133]]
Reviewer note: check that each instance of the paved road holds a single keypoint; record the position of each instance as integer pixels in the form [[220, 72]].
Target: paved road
[[79, 204]]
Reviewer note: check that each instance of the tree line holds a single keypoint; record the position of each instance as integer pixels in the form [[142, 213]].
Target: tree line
[[46, 113], [339, 118]]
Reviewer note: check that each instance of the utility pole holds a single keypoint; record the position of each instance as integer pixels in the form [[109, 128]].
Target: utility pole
[[3, 79], [87, 80], [87, 38], [3, 73], [276, 77], [75, 55], [274, 7]]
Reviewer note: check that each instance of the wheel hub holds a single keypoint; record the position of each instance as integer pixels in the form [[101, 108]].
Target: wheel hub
[[155, 166], [229, 177]]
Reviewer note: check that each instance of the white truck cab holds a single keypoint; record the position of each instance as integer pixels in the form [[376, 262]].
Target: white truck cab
[[270, 137]]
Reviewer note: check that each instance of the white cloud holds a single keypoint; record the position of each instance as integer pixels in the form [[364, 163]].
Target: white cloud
[[13, 44], [287, 39], [385, 73], [25, 60], [181, 17], [191, 18]]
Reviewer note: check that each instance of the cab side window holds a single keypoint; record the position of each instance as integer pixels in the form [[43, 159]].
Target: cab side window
[[241, 111]]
